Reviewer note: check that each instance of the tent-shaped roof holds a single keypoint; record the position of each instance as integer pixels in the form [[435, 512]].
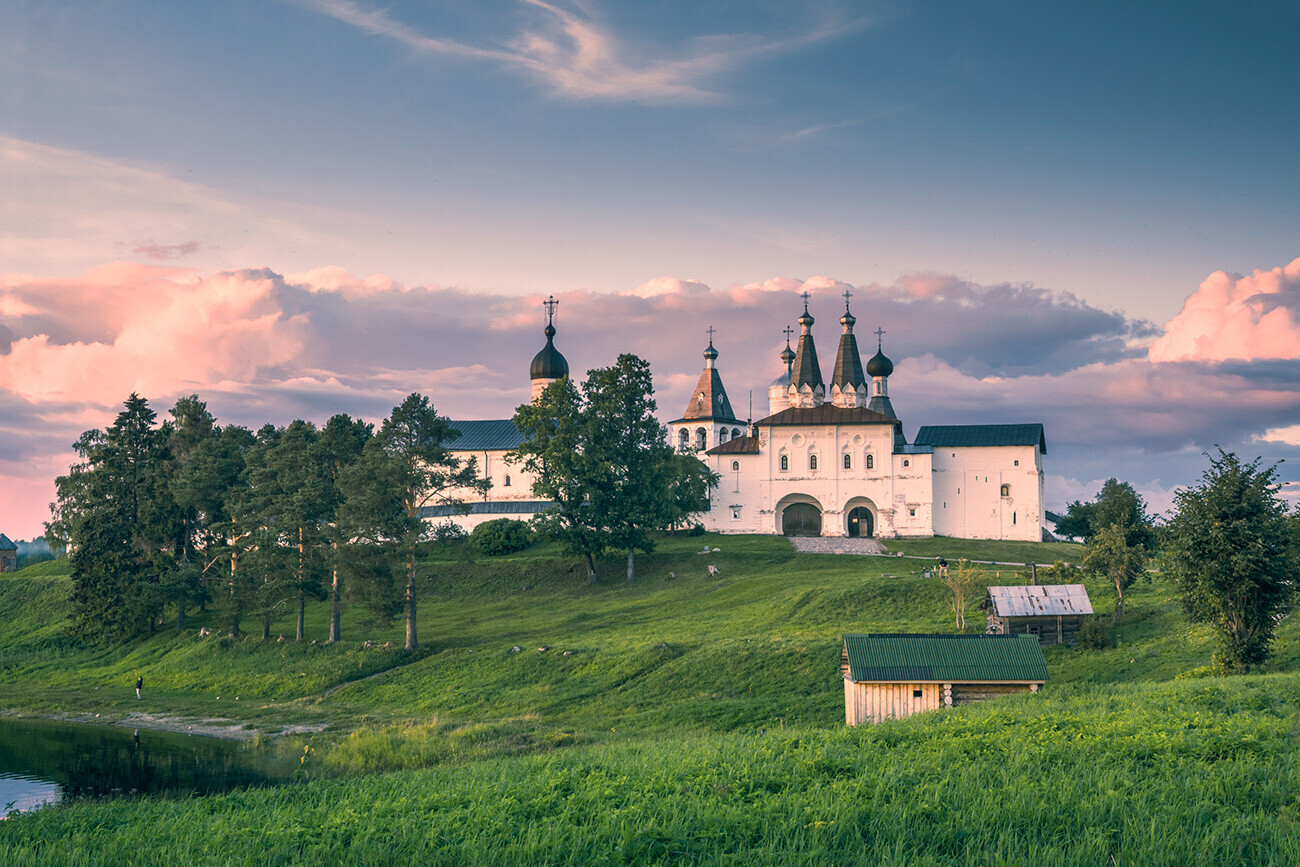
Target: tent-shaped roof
[[901, 658], [5, 544], [1045, 600]]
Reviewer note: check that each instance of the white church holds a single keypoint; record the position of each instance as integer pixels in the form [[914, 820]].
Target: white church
[[828, 463]]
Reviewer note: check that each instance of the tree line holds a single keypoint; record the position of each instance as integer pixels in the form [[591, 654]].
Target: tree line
[[171, 515], [1230, 547]]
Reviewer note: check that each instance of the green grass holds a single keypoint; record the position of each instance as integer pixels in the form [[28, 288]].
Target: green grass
[[694, 718], [1197, 772]]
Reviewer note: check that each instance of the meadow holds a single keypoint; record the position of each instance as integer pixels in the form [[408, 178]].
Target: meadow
[[680, 718]]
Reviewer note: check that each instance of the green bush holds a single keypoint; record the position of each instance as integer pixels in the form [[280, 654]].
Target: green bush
[[1093, 635], [501, 536]]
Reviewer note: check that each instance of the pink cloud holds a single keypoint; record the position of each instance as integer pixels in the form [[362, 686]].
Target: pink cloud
[[162, 252], [1236, 317], [160, 331]]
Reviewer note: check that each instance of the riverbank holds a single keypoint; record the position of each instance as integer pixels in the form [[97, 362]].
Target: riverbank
[[219, 727]]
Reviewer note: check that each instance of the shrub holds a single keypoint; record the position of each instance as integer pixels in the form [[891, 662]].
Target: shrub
[[501, 536], [696, 530], [1094, 635]]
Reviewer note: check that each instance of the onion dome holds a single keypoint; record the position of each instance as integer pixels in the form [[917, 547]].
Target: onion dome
[[879, 365], [549, 363]]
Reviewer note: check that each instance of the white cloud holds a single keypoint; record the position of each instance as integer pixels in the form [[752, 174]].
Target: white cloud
[[1236, 317], [578, 56]]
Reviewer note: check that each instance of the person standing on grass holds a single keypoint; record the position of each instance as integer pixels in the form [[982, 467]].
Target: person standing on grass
[[139, 685]]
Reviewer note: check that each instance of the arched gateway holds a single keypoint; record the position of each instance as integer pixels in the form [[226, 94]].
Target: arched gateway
[[861, 522], [801, 519]]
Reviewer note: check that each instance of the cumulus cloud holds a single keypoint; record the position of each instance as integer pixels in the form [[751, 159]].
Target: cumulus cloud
[[261, 347], [1236, 317]]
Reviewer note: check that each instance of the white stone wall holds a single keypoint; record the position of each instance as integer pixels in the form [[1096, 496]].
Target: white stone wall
[[753, 498], [969, 499]]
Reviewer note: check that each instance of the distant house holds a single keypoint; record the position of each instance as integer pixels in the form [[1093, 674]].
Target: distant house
[[1053, 613], [895, 676], [8, 555]]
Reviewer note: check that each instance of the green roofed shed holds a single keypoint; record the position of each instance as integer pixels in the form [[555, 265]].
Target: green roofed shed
[[892, 676]]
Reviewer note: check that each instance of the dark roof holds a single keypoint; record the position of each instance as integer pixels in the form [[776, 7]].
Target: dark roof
[[709, 400], [496, 434], [737, 446], [806, 370], [548, 363], [982, 435], [880, 365], [5, 544], [848, 363], [827, 413], [944, 658], [494, 507]]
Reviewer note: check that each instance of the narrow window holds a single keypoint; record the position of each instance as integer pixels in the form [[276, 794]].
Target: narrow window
[[735, 432], [506, 483], [812, 462], [735, 513], [1006, 490], [848, 462], [722, 436], [906, 463], [1016, 463], [785, 462], [911, 513], [701, 439], [871, 462], [684, 437], [1013, 517], [735, 465]]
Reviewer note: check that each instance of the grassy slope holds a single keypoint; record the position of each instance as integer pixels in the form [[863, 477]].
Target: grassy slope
[[661, 679]]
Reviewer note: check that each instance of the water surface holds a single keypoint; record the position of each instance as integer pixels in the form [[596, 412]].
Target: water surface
[[45, 762]]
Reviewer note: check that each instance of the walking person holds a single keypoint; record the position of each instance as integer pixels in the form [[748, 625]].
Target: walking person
[[139, 685]]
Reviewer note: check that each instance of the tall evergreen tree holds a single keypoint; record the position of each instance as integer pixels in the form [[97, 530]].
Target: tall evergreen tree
[[340, 444], [403, 470], [116, 511]]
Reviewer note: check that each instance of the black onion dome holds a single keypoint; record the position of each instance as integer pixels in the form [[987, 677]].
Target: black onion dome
[[549, 363], [711, 354], [879, 365]]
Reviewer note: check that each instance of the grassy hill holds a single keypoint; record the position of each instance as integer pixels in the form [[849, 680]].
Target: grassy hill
[[684, 717]]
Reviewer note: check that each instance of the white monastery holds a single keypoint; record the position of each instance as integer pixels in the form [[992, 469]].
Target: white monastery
[[829, 463]]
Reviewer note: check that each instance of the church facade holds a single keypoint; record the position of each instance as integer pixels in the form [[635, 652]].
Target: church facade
[[835, 462], [823, 461]]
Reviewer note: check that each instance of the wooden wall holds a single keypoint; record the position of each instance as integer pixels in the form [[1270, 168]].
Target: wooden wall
[[1064, 627], [969, 693], [873, 702]]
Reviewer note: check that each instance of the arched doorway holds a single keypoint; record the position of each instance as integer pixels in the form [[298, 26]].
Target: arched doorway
[[861, 522], [801, 519]]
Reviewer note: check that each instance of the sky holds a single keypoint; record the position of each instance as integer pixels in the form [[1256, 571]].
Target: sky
[[1080, 214]]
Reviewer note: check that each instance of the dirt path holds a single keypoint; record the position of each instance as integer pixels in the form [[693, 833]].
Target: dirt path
[[212, 727]]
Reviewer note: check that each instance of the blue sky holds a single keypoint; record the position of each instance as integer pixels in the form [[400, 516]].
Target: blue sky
[[1049, 182]]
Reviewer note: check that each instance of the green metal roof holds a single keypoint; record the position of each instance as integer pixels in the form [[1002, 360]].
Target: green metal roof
[[899, 658], [497, 434], [982, 435]]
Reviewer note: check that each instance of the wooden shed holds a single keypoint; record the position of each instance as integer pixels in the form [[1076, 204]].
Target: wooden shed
[[8, 554], [1054, 612], [893, 676]]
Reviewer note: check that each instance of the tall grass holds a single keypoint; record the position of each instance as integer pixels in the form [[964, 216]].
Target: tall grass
[[1188, 773]]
